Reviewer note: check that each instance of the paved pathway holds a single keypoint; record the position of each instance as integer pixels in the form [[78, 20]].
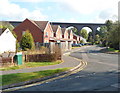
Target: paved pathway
[[68, 62]]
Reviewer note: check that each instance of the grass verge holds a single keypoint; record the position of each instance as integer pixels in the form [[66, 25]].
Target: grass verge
[[30, 64], [21, 77], [110, 50]]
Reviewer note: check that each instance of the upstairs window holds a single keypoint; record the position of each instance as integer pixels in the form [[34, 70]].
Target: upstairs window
[[46, 34]]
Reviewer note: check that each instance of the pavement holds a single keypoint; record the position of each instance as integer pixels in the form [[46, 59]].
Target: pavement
[[69, 61]]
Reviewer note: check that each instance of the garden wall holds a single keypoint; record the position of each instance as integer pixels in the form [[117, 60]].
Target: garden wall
[[42, 57]]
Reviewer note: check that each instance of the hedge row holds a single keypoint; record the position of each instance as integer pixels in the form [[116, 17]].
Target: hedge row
[[42, 57]]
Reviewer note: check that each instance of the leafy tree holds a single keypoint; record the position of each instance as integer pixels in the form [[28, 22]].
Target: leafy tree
[[27, 41], [75, 30], [113, 37], [89, 37], [103, 33], [84, 34], [109, 25], [97, 39], [109, 34], [82, 41]]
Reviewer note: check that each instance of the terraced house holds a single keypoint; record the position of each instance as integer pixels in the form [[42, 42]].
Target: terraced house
[[46, 34], [40, 30]]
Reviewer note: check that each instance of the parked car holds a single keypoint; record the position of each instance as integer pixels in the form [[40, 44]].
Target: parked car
[[82, 44], [76, 45]]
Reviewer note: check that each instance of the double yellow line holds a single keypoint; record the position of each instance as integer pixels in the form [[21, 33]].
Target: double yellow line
[[76, 69]]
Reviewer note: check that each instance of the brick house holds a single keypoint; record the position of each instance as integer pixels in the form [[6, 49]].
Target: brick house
[[40, 30], [70, 37], [77, 38], [65, 39], [57, 35]]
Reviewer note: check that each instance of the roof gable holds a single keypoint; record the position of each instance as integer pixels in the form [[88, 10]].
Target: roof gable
[[69, 32], [40, 24], [54, 27], [63, 30]]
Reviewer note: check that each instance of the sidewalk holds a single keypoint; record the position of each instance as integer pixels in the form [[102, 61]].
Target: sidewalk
[[68, 62]]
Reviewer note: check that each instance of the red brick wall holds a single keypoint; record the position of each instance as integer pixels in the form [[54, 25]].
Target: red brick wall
[[28, 25]]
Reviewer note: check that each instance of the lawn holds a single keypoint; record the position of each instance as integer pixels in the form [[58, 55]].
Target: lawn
[[30, 64], [112, 50], [21, 77]]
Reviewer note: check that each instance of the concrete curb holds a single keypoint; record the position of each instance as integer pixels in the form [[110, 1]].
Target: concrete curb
[[20, 85]]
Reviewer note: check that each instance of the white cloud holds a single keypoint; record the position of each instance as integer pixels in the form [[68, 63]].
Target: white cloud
[[70, 20], [100, 9], [11, 11], [26, 0]]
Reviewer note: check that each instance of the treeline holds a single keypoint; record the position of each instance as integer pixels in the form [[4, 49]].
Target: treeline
[[109, 35]]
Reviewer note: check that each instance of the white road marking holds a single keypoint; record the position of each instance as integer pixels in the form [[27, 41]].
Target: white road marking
[[107, 64], [116, 85], [94, 54]]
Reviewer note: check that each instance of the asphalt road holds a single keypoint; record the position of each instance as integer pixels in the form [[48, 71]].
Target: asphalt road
[[101, 74]]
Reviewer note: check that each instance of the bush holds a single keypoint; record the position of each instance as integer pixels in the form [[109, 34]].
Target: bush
[[27, 41]]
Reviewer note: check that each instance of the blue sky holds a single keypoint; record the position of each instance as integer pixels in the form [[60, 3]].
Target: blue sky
[[82, 11]]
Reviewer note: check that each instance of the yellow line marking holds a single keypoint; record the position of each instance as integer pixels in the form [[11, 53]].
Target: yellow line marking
[[83, 63]]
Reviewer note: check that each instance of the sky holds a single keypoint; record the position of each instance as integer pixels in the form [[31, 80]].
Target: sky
[[76, 11]]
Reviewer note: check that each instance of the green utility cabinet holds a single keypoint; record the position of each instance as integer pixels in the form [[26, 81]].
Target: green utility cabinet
[[18, 58]]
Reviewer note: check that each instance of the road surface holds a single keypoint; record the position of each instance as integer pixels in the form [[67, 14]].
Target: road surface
[[101, 74]]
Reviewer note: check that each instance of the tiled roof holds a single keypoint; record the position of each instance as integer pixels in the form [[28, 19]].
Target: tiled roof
[[54, 27], [41, 24], [69, 31], [63, 30]]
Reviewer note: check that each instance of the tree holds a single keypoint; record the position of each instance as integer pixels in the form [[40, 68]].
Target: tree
[[97, 39], [75, 30], [27, 41], [113, 37], [109, 25], [89, 37], [84, 34], [103, 33]]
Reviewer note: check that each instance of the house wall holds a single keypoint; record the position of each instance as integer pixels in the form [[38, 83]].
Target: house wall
[[75, 37], [66, 35], [78, 39], [59, 33], [71, 35], [66, 42], [7, 42], [48, 32], [34, 30]]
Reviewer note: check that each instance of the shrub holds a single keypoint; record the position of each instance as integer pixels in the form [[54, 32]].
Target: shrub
[[27, 41]]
